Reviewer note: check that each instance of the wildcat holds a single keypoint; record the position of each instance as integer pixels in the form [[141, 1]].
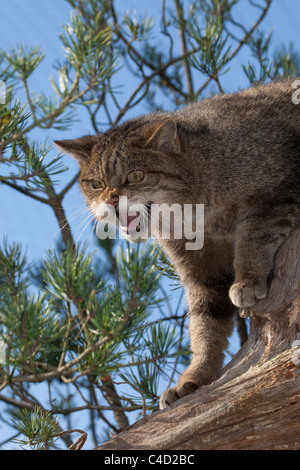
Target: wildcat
[[239, 155]]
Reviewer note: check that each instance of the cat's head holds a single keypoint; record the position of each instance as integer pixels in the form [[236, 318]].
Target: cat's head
[[142, 160]]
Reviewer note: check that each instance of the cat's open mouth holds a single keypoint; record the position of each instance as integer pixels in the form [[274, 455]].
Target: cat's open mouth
[[131, 222]]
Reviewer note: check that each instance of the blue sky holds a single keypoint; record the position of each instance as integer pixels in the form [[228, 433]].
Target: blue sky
[[39, 22]]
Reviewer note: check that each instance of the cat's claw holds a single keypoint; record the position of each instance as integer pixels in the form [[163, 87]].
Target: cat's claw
[[247, 293], [173, 394], [244, 312], [168, 397]]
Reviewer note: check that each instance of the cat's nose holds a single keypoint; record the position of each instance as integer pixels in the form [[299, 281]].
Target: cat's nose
[[113, 200]]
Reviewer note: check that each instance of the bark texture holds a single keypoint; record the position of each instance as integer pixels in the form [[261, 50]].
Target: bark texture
[[255, 404]]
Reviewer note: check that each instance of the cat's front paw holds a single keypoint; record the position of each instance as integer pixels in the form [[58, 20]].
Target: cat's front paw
[[173, 394], [247, 293]]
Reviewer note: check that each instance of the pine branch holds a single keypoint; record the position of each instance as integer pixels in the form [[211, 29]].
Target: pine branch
[[24, 191], [105, 331], [183, 43]]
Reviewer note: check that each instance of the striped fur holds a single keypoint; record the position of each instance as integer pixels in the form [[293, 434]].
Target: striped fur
[[237, 154]]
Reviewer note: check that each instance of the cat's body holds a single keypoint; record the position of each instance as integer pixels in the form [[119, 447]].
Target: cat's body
[[237, 154]]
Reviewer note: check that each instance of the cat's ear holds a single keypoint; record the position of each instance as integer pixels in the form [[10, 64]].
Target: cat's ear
[[79, 148], [166, 137]]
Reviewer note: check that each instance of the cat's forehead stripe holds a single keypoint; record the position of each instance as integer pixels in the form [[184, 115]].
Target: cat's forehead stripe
[[110, 166], [114, 160]]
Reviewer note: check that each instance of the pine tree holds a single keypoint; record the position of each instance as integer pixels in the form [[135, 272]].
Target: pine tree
[[83, 322]]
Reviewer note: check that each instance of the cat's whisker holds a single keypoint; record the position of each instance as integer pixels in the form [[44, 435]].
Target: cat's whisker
[[89, 216], [76, 203], [78, 213], [72, 217], [88, 219], [94, 227]]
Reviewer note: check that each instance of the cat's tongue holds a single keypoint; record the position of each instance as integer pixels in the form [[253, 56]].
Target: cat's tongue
[[130, 221]]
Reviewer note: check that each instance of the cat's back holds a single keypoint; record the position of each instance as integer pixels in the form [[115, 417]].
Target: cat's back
[[271, 103], [250, 136]]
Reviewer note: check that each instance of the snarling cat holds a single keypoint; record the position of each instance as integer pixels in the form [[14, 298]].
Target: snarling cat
[[239, 156]]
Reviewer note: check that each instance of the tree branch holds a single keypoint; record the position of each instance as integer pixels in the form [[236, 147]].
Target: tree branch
[[186, 65], [255, 403], [25, 191]]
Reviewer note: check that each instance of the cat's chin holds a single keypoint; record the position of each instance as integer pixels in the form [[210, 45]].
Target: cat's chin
[[135, 237], [134, 224], [133, 240]]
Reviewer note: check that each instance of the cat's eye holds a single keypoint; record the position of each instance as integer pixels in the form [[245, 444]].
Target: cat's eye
[[97, 184], [135, 176]]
